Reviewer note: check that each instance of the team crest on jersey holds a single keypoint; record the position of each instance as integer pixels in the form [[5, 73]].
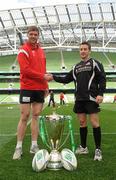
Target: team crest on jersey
[[26, 99]]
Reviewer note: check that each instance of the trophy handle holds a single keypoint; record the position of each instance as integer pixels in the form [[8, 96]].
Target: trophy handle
[[52, 143], [57, 143], [73, 145], [70, 133], [43, 131]]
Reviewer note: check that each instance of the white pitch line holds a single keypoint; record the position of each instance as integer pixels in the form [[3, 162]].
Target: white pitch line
[[11, 135], [4, 99], [104, 133]]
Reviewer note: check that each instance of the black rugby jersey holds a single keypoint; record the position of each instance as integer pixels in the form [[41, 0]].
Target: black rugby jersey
[[89, 79]]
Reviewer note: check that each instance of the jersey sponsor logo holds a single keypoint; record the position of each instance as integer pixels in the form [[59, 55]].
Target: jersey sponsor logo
[[83, 68], [26, 99]]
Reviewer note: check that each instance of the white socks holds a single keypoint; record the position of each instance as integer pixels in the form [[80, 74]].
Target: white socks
[[34, 143], [19, 144]]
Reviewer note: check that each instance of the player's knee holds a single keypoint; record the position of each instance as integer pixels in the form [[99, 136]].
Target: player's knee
[[24, 116], [82, 123], [35, 115], [95, 125]]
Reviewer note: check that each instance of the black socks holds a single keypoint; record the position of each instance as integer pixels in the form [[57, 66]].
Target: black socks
[[83, 136], [97, 137]]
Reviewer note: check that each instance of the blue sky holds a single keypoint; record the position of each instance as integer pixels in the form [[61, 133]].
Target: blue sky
[[11, 4]]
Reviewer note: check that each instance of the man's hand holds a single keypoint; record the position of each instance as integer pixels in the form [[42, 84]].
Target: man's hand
[[46, 93], [48, 77], [99, 99]]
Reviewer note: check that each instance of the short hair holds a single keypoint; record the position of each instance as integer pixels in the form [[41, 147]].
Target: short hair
[[86, 43], [33, 28]]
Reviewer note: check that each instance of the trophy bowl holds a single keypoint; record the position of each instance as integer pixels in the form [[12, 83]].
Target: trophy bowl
[[54, 125]]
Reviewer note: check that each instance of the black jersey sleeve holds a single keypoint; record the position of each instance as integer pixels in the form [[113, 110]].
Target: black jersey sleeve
[[65, 79], [101, 77]]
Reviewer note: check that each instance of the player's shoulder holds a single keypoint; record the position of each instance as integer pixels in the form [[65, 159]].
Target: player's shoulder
[[23, 49], [96, 61], [24, 46], [77, 64]]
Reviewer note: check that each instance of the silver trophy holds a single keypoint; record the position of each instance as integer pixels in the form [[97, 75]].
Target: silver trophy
[[53, 127], [51, 131]]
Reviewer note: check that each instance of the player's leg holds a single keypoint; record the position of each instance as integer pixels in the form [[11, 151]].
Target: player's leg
[[53, 102], [81, 115], [63, 102], [83, 134], [36, 110], [25, 112], [60, 102], [37, 105], [93, 109], [94, 118], [49, 102]]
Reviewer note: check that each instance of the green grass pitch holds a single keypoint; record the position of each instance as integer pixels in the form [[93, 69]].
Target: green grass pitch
[[87, 169]]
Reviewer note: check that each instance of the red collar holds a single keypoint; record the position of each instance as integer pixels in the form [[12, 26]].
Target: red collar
[[33, 46]]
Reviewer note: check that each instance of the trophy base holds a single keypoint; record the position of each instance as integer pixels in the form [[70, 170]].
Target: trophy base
[[55, 161], [55, 166]]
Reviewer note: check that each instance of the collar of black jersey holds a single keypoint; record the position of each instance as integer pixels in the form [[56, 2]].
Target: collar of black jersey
[[86, 60]]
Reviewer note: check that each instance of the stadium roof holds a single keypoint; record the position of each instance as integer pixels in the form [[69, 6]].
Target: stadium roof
[[61, 26]]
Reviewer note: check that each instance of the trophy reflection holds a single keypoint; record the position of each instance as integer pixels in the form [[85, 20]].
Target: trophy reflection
[[54, 125]]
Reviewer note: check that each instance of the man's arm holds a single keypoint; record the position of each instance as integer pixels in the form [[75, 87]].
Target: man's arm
[[60, 78], [101, 76], [65, 79]]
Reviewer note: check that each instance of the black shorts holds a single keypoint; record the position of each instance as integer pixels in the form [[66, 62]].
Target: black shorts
[[87, 107], [30, 96]]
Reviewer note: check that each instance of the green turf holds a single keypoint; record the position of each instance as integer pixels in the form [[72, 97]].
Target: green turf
[[71, 58], [6, 62], [54, 85], [54, 64], [87, 168], [54, 60]]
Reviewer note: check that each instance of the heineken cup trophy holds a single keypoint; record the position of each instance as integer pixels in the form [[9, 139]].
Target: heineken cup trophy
[[54, 126]]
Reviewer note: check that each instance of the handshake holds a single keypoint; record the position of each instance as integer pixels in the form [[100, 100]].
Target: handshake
[[48, 77]]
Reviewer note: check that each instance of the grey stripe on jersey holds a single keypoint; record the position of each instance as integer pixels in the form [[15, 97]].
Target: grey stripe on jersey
[[74, 78], [93, 74], [97, 66]]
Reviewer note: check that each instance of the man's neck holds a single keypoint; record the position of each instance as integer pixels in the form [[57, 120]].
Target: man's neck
[[33, 45], [85, 59]]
